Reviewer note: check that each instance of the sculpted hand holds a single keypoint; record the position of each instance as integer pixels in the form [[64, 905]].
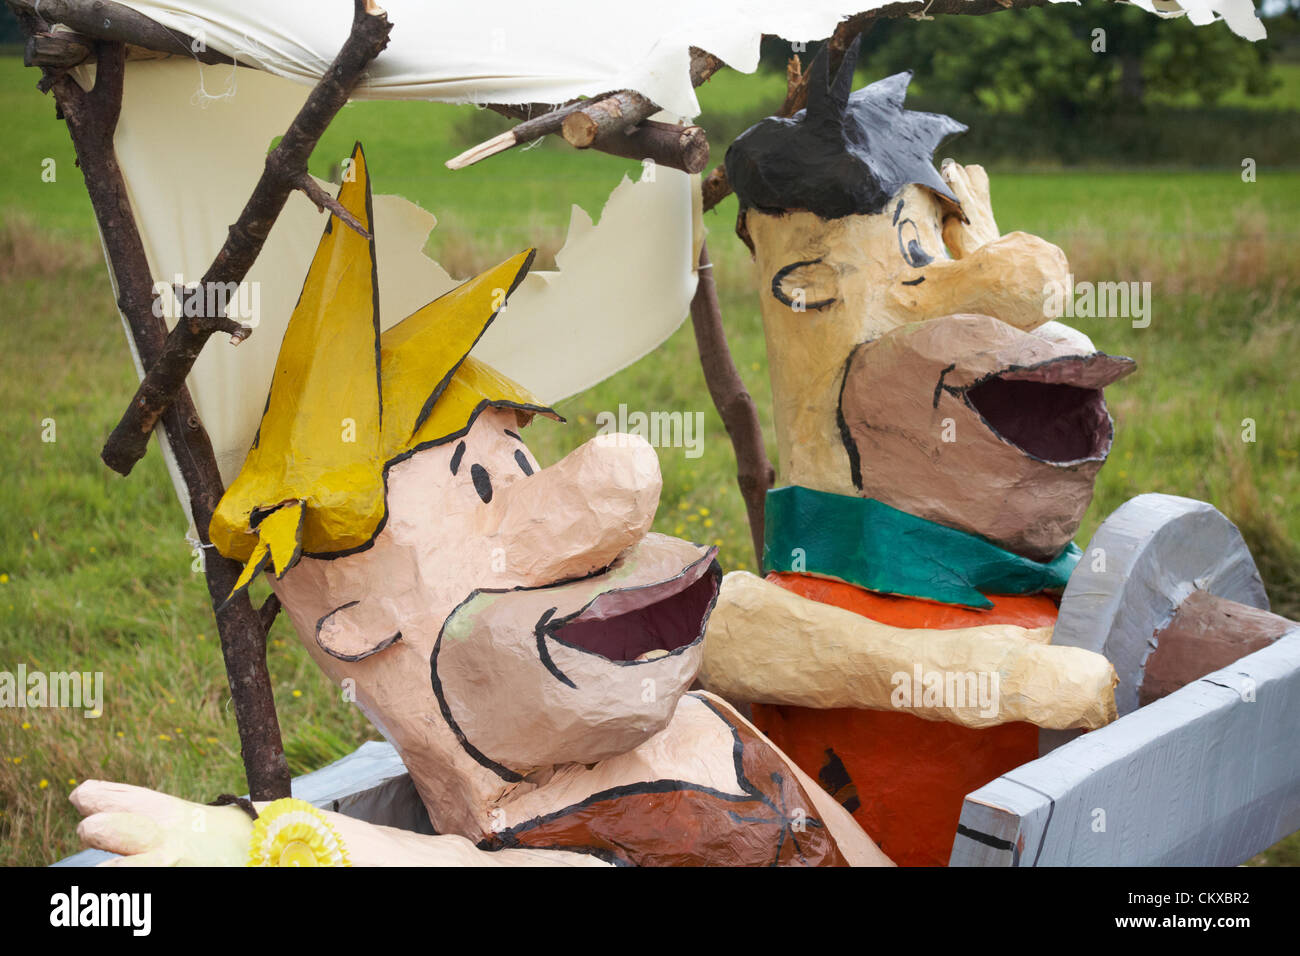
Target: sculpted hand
[[148, 828], [970, 184]]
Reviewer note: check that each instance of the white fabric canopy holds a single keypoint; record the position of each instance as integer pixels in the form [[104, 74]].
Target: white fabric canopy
[[522, 51], [192, 139]]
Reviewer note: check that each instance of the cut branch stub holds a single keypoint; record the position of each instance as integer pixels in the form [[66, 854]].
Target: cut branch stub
[[612, 114], [677, 147], [285, 171], [60, 50]]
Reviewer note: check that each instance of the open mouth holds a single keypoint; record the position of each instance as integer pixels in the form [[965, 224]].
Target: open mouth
[[1054, 411], [646, 622]]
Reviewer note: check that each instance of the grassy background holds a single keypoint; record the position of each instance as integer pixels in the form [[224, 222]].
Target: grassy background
[[95, 573]]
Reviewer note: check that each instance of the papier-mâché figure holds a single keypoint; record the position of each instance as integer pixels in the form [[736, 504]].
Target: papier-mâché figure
[[938, 442], [516, 632]]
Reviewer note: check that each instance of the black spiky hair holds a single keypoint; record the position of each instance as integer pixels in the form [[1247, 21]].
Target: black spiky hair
[[845, 154]]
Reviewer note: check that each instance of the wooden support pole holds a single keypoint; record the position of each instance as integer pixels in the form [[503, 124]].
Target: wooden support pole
[[91, 118], [285, 171], [754, 471]]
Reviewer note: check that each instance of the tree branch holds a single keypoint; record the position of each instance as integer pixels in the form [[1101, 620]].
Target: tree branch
[[91, 119], [285, 171], [754, 471], [586, 124], [106, 20]]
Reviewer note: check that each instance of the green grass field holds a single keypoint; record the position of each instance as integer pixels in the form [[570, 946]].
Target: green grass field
[[95, 572]]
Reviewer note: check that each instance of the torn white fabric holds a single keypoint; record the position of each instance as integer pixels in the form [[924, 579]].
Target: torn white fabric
[[521, 51], [624, 285]]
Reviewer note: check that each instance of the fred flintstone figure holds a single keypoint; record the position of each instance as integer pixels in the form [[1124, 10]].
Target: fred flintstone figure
[[939, 439], [938, 442]]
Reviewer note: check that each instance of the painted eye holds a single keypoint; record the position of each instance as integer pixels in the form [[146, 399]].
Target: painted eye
[[522, 461], [909, 245], [482, 483]]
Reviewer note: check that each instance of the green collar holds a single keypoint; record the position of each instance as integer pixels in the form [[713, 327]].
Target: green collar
[[866, 542]]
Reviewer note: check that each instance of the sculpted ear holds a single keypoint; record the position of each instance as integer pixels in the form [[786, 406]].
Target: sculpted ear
[[809, 285], [354, 631]]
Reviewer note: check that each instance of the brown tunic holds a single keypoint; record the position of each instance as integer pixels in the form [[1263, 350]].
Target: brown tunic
[[677, 823]]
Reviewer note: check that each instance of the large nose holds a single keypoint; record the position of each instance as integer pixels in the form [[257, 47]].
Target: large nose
[[578, 515], [1007, 279]]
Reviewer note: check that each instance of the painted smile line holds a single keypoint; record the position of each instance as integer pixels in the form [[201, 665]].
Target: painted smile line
[[638, 624], [1053, 411]]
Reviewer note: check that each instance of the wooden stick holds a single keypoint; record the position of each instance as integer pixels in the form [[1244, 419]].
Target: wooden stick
[[666, 144], [107, 20], [286, 170], [525, 132], [754, 471], [91, 118], [596, 116]]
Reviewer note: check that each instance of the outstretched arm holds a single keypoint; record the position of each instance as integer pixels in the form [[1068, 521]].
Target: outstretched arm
[[148, 828], [765, 644]]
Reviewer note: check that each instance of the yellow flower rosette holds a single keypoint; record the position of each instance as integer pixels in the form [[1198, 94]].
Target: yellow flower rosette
[[291, 832]]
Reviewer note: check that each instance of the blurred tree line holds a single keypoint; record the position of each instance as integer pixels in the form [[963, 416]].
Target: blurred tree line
[[1067, 60], [1101, 83]]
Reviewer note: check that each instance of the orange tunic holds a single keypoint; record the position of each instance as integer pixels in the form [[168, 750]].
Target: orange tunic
[[903, 778]]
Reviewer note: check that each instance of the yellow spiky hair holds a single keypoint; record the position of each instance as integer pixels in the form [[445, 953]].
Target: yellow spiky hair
[[346, 401]]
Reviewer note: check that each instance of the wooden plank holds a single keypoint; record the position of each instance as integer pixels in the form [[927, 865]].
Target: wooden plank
[[1209, 775]]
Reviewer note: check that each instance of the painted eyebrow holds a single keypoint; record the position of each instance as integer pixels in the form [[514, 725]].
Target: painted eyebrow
[[897, 211], [456, 456], [513, 435]]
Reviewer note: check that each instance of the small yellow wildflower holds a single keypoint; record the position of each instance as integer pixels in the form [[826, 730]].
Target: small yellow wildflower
[[120, 734], [708, 522], [163, 737], [211, 740], [26, 725], [4, 579], [44, 783], [297, 693], [705, 512], [72, 781]]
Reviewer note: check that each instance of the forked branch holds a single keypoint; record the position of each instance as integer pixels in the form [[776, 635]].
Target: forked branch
[[285, 171]]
